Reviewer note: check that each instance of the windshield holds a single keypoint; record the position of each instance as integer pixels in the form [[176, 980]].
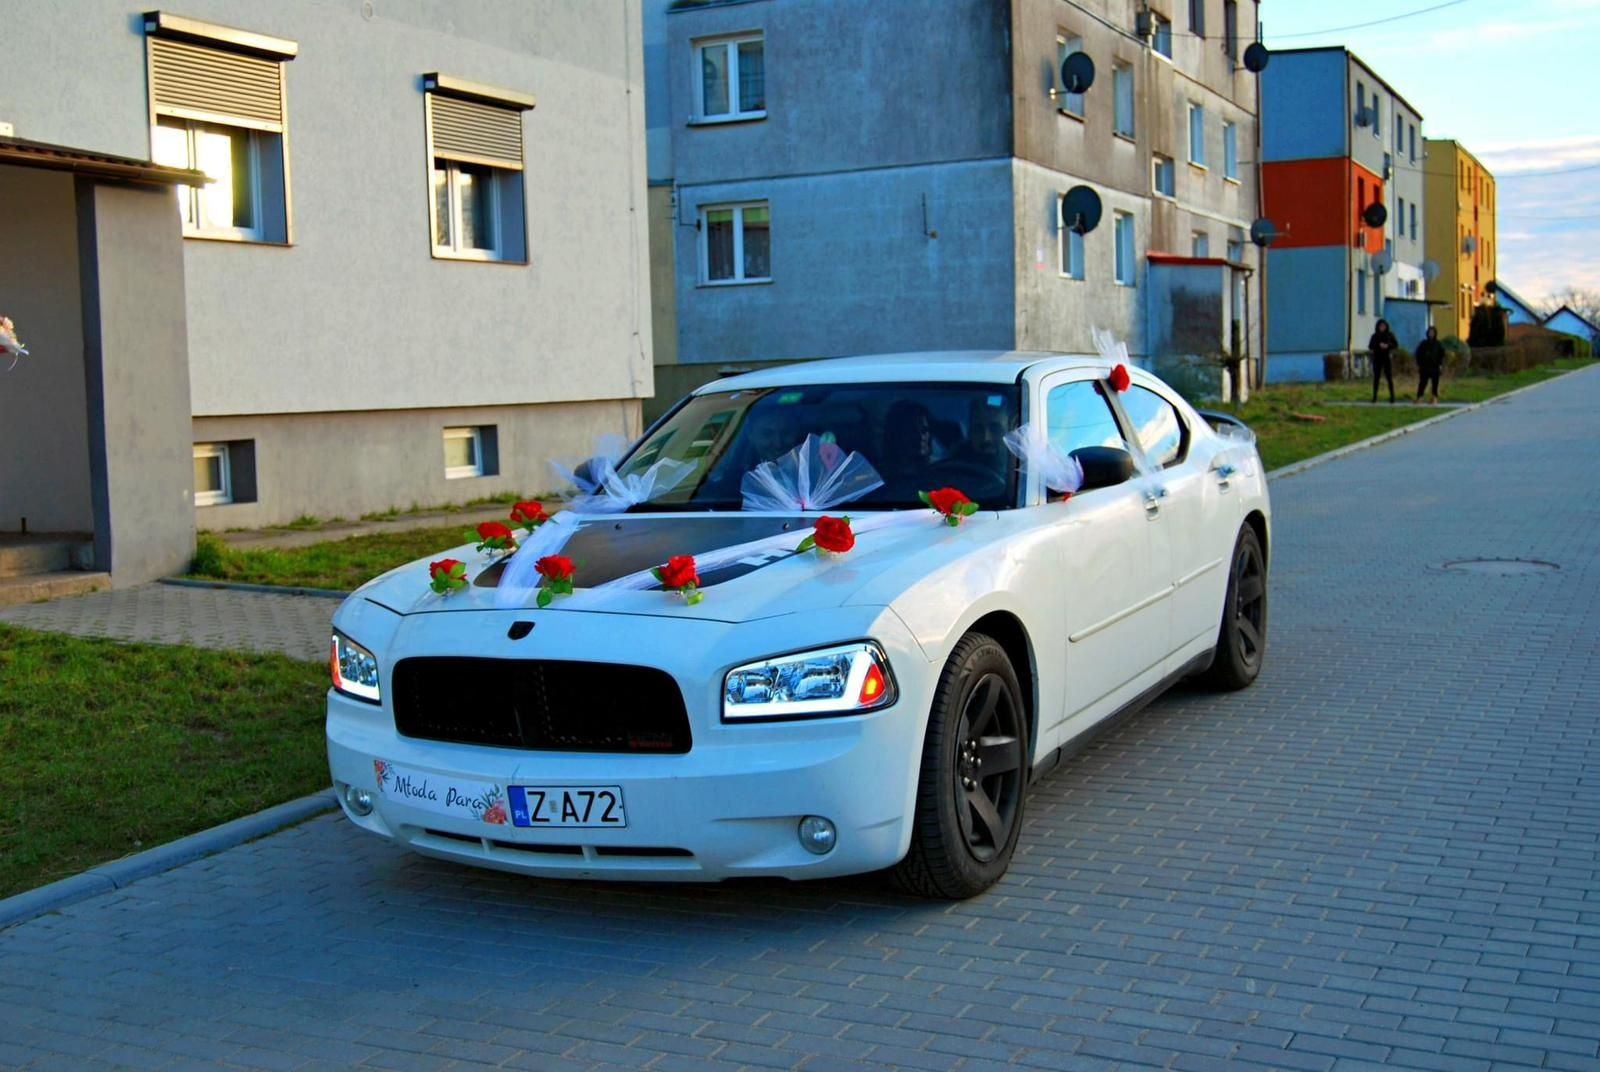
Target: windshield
[[917, 436]]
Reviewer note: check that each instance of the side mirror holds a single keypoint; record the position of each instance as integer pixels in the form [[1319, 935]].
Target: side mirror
[[1104, 467]]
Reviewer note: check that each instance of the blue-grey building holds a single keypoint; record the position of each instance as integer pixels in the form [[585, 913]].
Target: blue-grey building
[[832, 177]]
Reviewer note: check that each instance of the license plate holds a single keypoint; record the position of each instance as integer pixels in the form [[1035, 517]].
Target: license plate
[[567, 806]]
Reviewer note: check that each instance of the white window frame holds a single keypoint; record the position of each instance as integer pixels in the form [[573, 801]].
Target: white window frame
[[1158, 163], [731, 44], [1200, 110], [1068, 103], [739, 278], [220, 496], [475, 434], [454, 249], [1120, 71], [191, 213], [1069, 246], [1230, 152], [1124, 235]]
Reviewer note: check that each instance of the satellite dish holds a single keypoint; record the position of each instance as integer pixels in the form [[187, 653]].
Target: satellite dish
[[1375, 215], [1256, 57], [1077, 72], [1080, 210], [1382, 262], [1363, 117], [1430, 270], [1263, 231]]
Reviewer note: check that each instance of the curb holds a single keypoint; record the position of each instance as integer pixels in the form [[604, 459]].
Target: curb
[[1296, 468], [264, 589], [129, 869]]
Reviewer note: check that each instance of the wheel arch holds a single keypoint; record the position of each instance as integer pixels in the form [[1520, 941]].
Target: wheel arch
[[1008, 631], [1258, 521]]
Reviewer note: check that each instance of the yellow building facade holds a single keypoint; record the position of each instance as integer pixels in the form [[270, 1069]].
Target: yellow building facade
[[1460, 200]]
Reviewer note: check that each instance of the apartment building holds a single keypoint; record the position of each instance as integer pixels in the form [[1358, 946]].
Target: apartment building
[[1461, 233]]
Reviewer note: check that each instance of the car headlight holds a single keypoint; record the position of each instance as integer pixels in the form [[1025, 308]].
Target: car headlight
[[355, 669], [844, 680]]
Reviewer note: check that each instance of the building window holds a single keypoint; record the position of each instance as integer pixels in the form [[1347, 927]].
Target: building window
[[1230, 29], [1361, 103], [1199, 244], [1197, 17], [736, 243], [1236, 250], [221, 110], [1122, 93], [1197, 135], [1412, 138], [1377, 295], [213, 480], [1400, 216], [1071, 103], [1162, 177], [1162, 39], [1123, 232], [476, 204], [1413, 219], [1361, 291], [471, 450], [1071, 242], [731, 78], [1230, 151], [1377, 116]]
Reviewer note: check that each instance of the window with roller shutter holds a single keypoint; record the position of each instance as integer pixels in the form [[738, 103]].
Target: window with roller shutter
[[475, 143]]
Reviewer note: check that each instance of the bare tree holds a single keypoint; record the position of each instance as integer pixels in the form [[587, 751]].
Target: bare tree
[[1586, 303]]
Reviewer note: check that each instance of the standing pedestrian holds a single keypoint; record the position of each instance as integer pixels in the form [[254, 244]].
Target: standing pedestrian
[[1430, 360], [1381, 348]]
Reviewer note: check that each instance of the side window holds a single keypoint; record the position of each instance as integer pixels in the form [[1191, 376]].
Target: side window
[[1077, 416], [1156, 423]]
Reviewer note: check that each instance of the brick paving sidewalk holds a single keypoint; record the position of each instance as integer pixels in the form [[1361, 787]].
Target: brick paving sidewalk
[[1386, 854]]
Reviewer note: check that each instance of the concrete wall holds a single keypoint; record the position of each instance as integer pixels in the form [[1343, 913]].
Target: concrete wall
[[663, 276], [854, 270], [1057, 313], [849, 85], [307, 458], [130, 258], [1302, 105], [357, 314], [44, 433]]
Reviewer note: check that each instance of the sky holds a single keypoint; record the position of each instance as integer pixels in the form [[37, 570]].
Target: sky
[[1517, 84]]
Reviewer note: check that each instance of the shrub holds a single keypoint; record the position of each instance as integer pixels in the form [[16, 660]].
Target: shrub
[[1457, 354], [1488, 326]]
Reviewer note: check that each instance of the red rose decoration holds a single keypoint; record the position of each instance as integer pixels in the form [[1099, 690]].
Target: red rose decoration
[[557, 571], [494, 536], [1120, 379], [446, 575], [831, 534], [530, 515], [495, 813], [950, 503], [678, 575]]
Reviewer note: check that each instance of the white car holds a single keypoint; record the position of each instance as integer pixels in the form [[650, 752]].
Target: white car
[[814, 714]]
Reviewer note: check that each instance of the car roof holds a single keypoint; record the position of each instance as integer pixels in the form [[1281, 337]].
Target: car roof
[[924, 366]]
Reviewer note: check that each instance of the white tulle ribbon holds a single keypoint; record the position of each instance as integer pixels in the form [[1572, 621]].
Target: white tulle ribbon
[[816, 475], [606, 491], [1060, 471], [1111, 348]]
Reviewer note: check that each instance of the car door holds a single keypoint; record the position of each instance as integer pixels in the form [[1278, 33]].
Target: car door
[[1197, 512], [1114, 592]]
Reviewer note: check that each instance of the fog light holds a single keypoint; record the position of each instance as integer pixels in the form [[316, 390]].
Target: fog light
[[359, 800], [817, 835]]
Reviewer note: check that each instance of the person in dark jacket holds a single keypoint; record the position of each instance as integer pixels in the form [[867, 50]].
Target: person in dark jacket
[[1430, 360], [1381, 348]]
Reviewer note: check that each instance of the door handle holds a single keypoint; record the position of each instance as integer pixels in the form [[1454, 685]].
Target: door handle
[[1152, 501]]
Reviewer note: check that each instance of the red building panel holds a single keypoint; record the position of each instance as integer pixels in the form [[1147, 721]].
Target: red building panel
[[1319, 203]]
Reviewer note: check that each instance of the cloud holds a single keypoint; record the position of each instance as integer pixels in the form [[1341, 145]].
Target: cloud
[[1545, 154]]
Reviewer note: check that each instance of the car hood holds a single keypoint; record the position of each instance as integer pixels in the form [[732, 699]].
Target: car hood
[[774, 580]]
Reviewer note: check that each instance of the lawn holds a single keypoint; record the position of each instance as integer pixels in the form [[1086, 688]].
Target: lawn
[[340, 565], [111, 748]]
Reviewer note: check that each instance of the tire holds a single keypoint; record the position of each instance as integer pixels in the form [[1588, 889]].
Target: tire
[[973, 779], [1242, 636]]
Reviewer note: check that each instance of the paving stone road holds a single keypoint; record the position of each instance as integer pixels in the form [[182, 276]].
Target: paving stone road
[[1384, 854]]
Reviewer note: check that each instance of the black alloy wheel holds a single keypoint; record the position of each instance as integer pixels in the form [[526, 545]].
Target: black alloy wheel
[[1242, 637], [974, 776]]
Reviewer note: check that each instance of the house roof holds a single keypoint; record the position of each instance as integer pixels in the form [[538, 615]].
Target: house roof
[[1515, 299], [1574, 313], [23, 153]]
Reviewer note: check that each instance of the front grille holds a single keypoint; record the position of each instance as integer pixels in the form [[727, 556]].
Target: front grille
[[543, 705]]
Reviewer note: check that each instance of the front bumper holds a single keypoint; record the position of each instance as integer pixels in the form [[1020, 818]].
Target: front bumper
[[729, 807]]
